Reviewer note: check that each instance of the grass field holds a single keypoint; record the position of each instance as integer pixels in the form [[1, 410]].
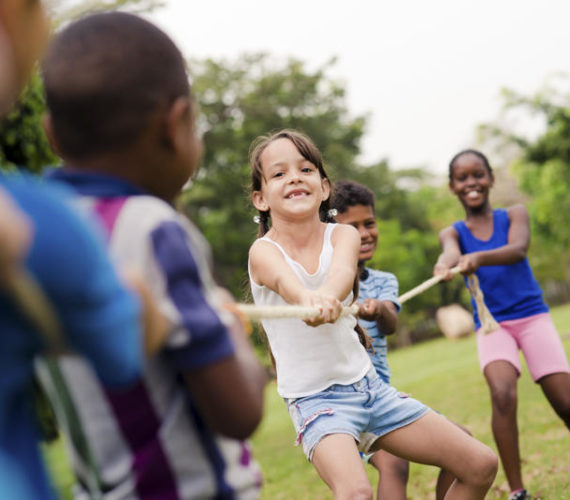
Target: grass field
[[445, 375]]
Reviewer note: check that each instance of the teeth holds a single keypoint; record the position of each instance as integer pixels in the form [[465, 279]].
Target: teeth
[[472, 194]]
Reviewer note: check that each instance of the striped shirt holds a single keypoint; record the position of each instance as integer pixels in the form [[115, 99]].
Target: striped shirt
[[149, 441], [378, 285]]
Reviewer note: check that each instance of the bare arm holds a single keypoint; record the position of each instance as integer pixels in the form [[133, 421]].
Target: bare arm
[[450, 254], [346, 242], [384, 312], [15, 236], [268, 268], [229, 393]]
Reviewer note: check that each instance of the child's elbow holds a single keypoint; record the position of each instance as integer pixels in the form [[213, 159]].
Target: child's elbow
[[241, 424], [519, 253]]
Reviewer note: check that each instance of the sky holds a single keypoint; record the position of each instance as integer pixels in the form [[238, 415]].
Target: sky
[[427, 72]]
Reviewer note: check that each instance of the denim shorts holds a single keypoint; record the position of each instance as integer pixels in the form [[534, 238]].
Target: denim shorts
[[366, 410]]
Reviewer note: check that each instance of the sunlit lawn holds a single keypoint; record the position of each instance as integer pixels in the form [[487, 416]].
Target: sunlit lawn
[[445, 375]]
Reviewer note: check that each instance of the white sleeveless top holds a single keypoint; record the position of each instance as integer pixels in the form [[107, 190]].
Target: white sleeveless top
[[310, 359]]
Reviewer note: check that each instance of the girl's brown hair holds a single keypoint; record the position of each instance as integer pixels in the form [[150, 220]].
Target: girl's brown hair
[[308, 150]]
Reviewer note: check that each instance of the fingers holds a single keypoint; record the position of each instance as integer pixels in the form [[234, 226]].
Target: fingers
[[367, 310], [443, 271], [329, 307]]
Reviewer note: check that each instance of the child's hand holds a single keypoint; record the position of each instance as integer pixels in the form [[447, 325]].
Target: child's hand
[[237, 323], [443, 271], [469, 263], [329, 306], [370, 309]]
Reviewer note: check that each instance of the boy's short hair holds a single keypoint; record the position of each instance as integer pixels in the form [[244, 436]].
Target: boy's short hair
[[347, 194], [104, 77]]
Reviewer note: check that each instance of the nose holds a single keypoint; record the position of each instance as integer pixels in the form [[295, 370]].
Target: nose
[[363, 230], [294, 176]]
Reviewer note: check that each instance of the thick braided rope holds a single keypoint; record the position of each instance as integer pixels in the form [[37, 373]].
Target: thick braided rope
[[488, 323], [256, 313]]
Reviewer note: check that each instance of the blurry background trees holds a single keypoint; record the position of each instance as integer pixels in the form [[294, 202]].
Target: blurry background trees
[[255, 94]]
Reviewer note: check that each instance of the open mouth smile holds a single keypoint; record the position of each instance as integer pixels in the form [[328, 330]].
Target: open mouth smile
[[297, 194]]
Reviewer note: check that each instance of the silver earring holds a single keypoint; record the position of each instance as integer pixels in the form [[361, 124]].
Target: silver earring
[[332, 213], [257, 219]]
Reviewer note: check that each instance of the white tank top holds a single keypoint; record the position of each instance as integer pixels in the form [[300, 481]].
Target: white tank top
[[310, 359]]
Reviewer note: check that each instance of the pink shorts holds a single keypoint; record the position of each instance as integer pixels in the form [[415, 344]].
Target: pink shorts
[[535, 336]]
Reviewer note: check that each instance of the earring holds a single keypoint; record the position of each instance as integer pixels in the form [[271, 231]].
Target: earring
[[332, 213], [257, 219]]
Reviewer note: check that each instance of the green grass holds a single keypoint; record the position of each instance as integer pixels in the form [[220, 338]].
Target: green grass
[[445, 375]]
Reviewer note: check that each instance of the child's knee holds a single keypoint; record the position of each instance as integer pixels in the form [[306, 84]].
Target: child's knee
[[504, 398], [357, 491], [484, 467], [394, 466]]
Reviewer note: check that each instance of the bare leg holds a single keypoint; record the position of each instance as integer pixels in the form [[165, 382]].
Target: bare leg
[[502, 377], [338, 462], [394, 472], [445, 478], [434, 440], [556, 388]]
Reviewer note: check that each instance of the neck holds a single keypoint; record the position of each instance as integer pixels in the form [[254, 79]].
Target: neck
[[295, 233], [479, 212]]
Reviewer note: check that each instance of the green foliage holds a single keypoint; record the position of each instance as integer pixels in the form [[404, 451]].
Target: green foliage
[[253, 95], [543, 169], [239, 100], [22, 139]]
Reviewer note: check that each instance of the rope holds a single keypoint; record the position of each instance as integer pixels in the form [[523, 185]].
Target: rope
[[488, 323], [33, 303], [424, 286], [256, 313]]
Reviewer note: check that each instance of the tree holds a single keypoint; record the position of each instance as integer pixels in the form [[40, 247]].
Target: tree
[[23, 143], [239, 100], [543, 169]]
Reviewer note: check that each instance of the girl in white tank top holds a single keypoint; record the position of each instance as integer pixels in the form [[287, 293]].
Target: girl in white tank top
[[334, 396]]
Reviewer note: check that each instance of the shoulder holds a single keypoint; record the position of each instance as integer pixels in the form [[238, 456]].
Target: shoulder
[[150, 209], [517, 212], [448, 232], [343, 232], [262, 249], [145, 217], [384, 276]]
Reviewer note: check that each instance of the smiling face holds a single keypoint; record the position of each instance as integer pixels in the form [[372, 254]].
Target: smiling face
[[471, 182], [291, 185], [363, 219]]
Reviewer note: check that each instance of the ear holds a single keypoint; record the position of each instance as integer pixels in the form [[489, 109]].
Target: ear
[[326, 189], [47, 124], [178, 125], [259, 201]]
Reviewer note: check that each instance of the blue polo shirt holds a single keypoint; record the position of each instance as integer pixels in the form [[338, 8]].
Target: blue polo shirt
[[99, 318]]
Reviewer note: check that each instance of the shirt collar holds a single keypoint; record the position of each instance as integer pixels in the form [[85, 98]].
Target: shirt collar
[[93, 183]]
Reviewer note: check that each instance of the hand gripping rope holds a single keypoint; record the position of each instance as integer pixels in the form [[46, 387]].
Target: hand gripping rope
[[256, 313]]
